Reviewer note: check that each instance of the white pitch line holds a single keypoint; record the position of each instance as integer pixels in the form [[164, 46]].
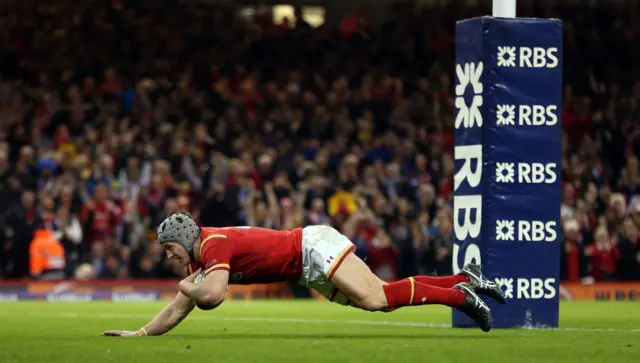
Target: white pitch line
[[316, 321]]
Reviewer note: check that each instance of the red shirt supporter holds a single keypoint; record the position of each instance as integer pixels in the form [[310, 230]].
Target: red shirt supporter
[[101, 214], [382, 255], [572, 252], [573, 262], [383, 258], [252, 255], [603, 255], [576, 125], [603, 261], [110, 85]]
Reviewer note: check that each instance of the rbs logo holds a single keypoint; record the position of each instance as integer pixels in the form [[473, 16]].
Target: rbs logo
[[467, 207], [527, 231], [527, 173], [527, 57], [468, 122], [523, 288], [536, 115], [538, 57]]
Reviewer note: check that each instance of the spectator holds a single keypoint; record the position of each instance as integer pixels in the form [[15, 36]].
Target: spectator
[[603, 255], [68, 230], [47, 260], [628, 266], [572, 257], [20, 225], [262, 212], [100, 214]]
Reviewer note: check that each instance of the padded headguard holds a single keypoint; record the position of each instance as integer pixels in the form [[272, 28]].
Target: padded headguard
[[179, 227]]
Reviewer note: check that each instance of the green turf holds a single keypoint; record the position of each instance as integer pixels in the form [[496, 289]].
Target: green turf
[[308, 331]]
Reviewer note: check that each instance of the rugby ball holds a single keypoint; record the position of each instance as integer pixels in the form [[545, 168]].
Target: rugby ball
[[199, 278]]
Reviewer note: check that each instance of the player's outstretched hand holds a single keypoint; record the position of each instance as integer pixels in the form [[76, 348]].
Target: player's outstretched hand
[[120, 333]]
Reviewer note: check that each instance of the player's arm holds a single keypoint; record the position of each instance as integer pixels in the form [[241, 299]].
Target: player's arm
[[215, 252], [209, 293], [167, 319]]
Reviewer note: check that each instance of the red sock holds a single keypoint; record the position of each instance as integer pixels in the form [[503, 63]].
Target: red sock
[[409, 292], [442, 281]]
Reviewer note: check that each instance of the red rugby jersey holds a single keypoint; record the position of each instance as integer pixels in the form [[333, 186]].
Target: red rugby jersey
[[251, 254]]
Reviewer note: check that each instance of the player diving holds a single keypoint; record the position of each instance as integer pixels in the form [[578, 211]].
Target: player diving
[[317, 257]]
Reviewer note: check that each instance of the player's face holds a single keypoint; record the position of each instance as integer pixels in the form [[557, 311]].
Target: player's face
[[177, 253]]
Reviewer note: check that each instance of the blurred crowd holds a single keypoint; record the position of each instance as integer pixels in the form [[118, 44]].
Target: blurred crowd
[[114, 114]]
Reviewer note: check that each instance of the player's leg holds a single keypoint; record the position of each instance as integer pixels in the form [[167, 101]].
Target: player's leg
[[331, 267], [442, 281], [471, 274], [331, 253], [366, 291]]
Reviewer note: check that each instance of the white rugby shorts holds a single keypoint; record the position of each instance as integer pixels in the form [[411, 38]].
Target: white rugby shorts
[[323, 250]]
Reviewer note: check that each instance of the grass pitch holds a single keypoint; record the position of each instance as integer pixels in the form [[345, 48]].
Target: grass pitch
[[308, 331]]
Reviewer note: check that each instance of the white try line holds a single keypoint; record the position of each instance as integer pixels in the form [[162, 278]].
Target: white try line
[[313, 321]]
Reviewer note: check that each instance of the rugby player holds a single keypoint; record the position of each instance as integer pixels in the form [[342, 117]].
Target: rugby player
[[318, 257]]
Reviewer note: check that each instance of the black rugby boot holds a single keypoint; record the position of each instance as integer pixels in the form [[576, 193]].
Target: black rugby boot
[[481, 284], [474, 307]]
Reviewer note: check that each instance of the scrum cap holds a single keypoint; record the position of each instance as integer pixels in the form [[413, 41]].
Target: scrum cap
[[179, 227]]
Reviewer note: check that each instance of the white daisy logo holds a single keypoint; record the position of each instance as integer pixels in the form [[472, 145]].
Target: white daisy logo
[[468, 116], [505, 230], [506, 56], [506, 285], [505, 173], [506, 114]]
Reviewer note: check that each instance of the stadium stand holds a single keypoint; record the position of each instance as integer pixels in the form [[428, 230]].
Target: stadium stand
[[114, 115]]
